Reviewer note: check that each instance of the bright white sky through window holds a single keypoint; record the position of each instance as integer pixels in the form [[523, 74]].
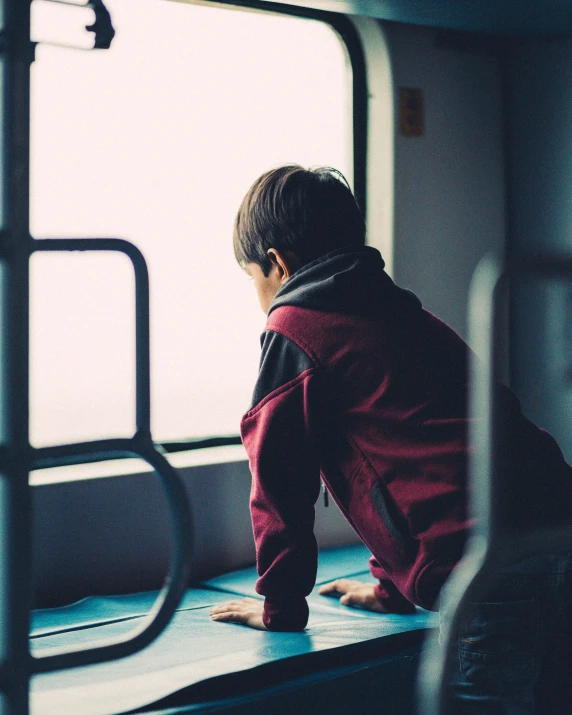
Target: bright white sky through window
[[156, 141]]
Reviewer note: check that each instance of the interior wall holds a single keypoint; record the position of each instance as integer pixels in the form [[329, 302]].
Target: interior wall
[[449, 183], [539, 152], [110, 535]]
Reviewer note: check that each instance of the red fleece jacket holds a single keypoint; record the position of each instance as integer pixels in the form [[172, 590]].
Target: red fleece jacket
[[360, 386]]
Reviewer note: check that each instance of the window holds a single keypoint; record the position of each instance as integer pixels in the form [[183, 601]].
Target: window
[[156, 141]]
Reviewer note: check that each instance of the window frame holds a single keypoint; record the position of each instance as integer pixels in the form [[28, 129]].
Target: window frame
[[349, 36]]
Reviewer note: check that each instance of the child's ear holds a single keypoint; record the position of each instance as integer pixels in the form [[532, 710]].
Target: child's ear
[[285, 261], [273, 254]]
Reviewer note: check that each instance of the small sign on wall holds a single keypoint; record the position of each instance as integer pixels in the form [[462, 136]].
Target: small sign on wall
[[411, 119]]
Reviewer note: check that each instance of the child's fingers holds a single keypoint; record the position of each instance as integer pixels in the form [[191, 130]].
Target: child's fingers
[[350, 599], [235, 606], [336, 587], [247, 612], [232, 616], [362, 598], [340, 585], [328, 588]]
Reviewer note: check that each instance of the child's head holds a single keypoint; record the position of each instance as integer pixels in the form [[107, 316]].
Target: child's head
[[302, 212]]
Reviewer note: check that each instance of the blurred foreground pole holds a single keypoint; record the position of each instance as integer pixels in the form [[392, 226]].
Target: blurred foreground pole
[[15, 57]]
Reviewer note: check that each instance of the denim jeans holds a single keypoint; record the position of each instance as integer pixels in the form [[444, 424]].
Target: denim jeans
[[514, 647]]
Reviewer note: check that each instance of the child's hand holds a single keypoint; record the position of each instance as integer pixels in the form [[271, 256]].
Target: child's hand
[[248, 612], [354, 593]]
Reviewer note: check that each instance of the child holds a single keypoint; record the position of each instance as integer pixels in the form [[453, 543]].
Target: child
[[359, 385]]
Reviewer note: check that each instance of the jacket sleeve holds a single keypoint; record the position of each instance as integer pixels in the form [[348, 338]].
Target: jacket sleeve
[[387, 593], [277, 433]]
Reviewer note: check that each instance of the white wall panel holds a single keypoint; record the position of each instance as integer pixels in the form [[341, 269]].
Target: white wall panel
[[449, 192]]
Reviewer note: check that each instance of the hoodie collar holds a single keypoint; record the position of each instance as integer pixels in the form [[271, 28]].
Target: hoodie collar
[[347, 280]]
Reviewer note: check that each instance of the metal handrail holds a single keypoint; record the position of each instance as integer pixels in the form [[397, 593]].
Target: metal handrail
[[176, 582], [141, 445], [142, 368], [488, 546]]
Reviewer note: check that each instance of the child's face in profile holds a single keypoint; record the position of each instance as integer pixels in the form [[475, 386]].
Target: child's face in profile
[[283, 266], [266, 286]]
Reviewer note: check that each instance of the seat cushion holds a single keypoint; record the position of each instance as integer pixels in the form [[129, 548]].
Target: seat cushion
[[194, 650]]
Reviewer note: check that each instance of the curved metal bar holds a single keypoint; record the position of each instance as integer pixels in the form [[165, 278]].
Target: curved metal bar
[[143, 370], [433, 670], [140, 445], [176, 581], [83, 452], [488, 547]]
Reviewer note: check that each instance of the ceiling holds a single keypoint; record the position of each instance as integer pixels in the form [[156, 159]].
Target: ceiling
[[497, 16]]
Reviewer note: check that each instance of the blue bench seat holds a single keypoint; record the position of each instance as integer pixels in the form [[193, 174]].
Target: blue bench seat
[[198, 665]]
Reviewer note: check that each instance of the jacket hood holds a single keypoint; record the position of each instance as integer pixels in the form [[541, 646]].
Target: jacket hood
[[350, 280]]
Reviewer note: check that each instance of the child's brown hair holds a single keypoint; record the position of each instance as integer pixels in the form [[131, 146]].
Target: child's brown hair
[[309, 212]]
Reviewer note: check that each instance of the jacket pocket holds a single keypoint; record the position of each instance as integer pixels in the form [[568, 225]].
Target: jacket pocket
[[392, 518]]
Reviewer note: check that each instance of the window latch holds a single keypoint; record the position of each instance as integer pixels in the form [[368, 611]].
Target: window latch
[[52, 24], [102, 28]]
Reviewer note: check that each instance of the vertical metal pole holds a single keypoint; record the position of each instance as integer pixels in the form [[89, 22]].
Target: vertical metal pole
[[15, 519], [142, 347]]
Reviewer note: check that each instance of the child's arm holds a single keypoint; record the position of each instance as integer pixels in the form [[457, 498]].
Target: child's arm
[[278, 434]]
